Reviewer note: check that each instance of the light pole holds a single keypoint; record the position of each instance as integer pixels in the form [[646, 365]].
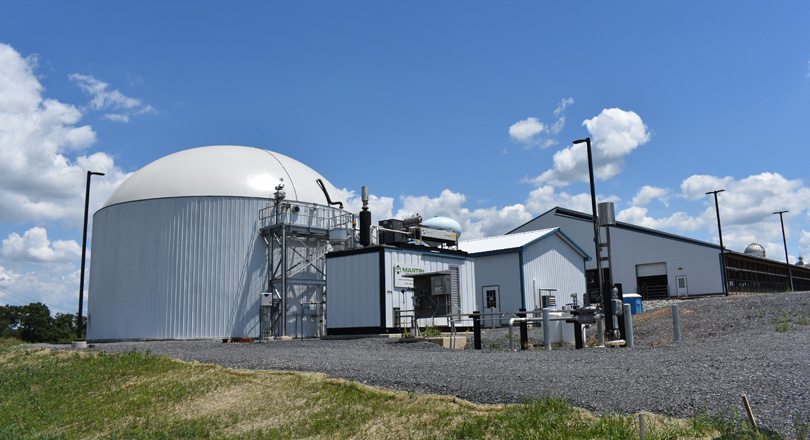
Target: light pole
[[720, 232], [606, 309], [84, 250], [784, 241]]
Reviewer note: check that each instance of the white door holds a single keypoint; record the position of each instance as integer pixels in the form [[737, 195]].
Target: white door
[[681, 283], [492, 304]]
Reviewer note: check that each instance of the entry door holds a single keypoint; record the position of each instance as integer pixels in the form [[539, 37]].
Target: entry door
[[681, 283], [492, 304]]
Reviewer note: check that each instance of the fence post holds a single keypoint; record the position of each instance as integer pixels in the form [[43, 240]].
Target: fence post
[[524, 330], [476, 330], [676, 322], [546, 329]]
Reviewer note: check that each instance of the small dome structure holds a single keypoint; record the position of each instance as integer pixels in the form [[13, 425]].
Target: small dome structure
[[755, 249], [801, 261], [443, 223]]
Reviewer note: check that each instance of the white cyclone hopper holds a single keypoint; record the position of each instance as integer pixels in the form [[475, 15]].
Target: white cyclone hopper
[[176, 249]]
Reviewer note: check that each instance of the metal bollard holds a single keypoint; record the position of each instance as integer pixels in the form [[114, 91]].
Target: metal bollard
[[476, 330], [628, 326], [600, 331], [676, 322], [546, 329], [524, 330]]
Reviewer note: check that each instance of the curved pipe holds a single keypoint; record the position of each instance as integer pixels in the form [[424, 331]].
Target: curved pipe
[[328, 199]]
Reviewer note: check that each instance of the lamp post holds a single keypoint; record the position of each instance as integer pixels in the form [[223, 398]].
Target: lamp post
[[720, 232], [84, 250], [784, 241], [606, 309]]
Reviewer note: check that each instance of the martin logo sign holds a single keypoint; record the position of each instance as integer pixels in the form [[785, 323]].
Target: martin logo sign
[[400, 272]]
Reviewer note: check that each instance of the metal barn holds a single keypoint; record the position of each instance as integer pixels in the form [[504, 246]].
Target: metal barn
[[514, 271], [652, 263], [385, 289]]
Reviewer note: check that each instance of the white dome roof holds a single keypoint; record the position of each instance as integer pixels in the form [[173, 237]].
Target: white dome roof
[[755, 249], [224, 170]]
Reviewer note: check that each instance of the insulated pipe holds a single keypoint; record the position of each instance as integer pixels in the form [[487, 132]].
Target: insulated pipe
[[628, 325]]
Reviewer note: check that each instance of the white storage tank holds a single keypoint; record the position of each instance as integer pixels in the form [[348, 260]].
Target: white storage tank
[[178, 250]]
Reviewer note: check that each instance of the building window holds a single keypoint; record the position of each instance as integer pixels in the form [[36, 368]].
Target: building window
[[492, 299]]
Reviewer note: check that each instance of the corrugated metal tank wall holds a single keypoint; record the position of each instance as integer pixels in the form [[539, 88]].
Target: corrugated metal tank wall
[[554, 265], [177, 268]]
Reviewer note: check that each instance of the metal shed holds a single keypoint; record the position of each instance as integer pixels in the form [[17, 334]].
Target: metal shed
[[514, 271], [381, 289]]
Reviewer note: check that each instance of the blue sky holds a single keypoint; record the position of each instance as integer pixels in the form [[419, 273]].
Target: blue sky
[[462, 109]]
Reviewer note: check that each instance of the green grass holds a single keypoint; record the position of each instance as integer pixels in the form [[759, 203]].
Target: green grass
[[76, 395]]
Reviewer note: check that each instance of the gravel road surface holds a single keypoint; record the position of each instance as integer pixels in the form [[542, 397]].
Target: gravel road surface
[[757, 345]]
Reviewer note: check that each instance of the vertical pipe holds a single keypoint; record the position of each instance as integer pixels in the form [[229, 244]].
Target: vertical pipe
[[524, 330], [628, 325], [597, 242], [476, 330], [546, 329], [676, 322], [283, 280], [578, 335]]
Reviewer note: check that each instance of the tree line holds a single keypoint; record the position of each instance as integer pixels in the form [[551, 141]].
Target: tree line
[[34, 323]]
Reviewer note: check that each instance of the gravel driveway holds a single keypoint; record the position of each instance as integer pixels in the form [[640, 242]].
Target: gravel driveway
[[757, 345]]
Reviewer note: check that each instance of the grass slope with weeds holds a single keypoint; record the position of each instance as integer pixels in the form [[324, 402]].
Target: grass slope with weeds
[[88, 394]]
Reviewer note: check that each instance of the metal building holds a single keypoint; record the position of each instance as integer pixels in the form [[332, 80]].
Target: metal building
[[184, 247], [657, 264], [525, 270], [385, 288], [651, 263]]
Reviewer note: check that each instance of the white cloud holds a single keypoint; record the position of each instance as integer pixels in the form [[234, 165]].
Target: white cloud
[[529, 131], [615, 133], [526, 130], [380, 207], [679, 221], [649, 193], [695, 187], [41, 175], [35, 247], [103, 99], [804, 245]]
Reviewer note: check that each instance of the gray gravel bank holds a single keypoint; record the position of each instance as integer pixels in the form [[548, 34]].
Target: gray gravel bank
[[755, 345]]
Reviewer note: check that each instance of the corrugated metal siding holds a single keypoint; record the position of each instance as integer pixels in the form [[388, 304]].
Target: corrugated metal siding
[[432, 263], [502, 270], [353, 291], [177, 268], [552, 264], [699, 263]]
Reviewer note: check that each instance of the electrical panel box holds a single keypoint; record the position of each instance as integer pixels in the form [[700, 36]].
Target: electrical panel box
[[266, 298], [440, 285]]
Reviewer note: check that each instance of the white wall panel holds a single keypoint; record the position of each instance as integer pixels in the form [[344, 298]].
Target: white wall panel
[[502, 270], [552, 264], [353, 291]]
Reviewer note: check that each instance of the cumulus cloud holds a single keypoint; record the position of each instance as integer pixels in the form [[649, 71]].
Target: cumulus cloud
[[649, 193], [102, 99], [679, 221], [525, 130], [615, 133], [530, 131], [804, 243], [42, 172], [546, 197], [35, 247], [380, 207]]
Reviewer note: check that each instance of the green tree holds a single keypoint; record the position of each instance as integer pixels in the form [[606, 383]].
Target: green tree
[[36, 324]]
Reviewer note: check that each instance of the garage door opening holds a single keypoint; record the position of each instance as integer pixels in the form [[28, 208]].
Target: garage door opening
[[652, 281]]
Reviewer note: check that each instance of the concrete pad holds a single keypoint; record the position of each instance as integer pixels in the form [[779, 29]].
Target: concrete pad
[[457, 342]]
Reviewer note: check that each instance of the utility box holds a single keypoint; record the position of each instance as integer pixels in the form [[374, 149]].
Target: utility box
[[634, 299], [266, 298]]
